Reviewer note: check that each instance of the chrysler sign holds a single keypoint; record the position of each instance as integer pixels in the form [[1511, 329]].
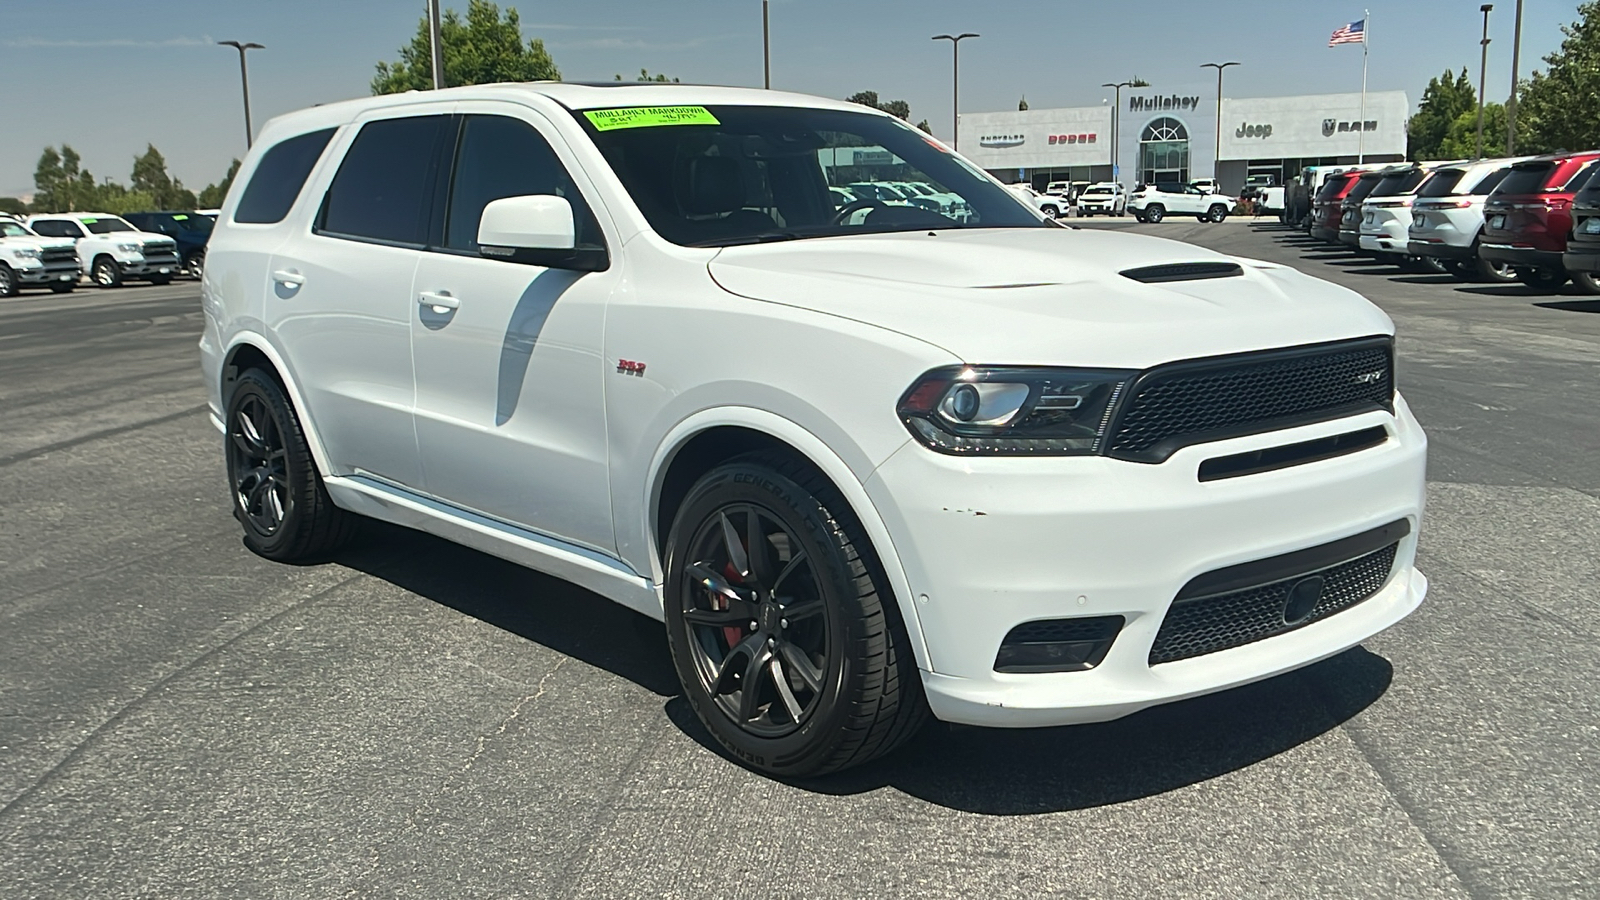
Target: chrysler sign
[[1002, 140]]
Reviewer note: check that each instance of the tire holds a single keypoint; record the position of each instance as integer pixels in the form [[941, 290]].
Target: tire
[[1121, 212], [1217, 213], [159, 280], [1434, 264], [1050, 212], [106, 273], [1587, 282], [195, 264], [8, 281], [1542, 279], [1492, 271], [278, 494], [844, 662], [63, 287], [1155, 212]]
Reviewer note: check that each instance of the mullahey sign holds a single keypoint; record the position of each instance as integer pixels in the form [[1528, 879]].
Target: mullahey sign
[[1162, 104]]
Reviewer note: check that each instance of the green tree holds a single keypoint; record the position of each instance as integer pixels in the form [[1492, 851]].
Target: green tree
[[60, 184], [1022, 105], [1443, 101], [13, 206], [644, 75], [151, 179], [482, 49], [212, 195], [898, 108], [1560, 108], [1461, 141], [925, 126]]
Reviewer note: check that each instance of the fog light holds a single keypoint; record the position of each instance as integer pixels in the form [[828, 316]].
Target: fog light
[[1058, 645]]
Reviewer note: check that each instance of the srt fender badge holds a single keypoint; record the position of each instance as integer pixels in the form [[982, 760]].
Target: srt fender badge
[[629, 367]]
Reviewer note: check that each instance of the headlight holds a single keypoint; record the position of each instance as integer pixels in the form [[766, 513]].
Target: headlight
[[25, 253], [130, 248], [999, 411]]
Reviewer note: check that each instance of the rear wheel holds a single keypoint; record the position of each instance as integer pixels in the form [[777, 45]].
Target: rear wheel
[[1216, 213], [278, 494], [1586, 282], [786, 639], [1493, 271], [1155, 212], [1542, 279]]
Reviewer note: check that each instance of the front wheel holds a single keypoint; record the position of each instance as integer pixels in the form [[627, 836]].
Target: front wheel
[[1216, 213], [195, 265], [159, 280], [106, 272], [278, 494], [1155, 212], [783, 633], [63, 287], [1050, 212], [8, 281]]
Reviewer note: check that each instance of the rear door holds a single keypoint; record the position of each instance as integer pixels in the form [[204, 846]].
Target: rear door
[[510, 408], [340, 298]]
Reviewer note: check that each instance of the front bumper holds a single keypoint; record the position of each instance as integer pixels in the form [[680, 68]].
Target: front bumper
[[1526, 257], [988, 544], [165, 264], [49, 274]]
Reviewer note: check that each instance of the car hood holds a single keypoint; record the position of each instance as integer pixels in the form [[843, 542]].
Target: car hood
[[38, 243], [1047, 296]]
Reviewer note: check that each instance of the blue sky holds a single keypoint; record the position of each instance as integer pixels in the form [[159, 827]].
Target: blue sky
[[108, 77]]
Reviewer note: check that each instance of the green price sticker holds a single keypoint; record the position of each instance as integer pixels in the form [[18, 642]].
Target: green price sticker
[[649, 116], [88, 221], [180, 218]]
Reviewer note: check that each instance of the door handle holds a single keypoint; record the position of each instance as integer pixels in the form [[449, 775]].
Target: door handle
[[439, 300], [289, 277]]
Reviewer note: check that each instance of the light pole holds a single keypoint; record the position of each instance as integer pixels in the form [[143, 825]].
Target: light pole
[[1216, 157], [955, 93], [1483, 65], [435, 46], [244, 78], [1511, 103], [1116, 122], [766, 44]]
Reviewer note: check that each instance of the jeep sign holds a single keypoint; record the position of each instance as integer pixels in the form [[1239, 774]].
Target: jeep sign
[[1247, 130]]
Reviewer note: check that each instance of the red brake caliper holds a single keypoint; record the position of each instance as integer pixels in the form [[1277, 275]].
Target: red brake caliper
[[733, 633]]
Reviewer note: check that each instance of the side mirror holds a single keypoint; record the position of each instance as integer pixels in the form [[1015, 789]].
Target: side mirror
[[537, 230]]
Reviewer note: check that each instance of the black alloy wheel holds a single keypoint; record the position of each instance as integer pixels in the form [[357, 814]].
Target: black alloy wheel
[[786, 640], [8, 281], [1155, 212], [278, 495], [195, 265]]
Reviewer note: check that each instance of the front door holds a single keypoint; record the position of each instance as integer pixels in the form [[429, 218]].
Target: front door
[[340, 297], [510, 409]]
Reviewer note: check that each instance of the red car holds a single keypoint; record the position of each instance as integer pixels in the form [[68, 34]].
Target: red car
[[1528, 217], [1326, 211]]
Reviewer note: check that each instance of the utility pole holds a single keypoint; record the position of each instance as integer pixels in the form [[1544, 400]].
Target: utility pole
[[244, 79], [1116, 123], [1511, 104], [1216, 158], [435, 45], [955, 94], [1483, 66], [766, 44]]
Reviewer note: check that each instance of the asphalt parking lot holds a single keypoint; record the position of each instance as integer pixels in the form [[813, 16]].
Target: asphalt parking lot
[[179, 718]]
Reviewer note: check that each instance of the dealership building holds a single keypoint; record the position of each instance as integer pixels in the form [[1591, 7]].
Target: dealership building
[[1170, 134]]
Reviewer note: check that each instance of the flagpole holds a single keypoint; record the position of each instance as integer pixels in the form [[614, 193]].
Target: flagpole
[[1361, 136]]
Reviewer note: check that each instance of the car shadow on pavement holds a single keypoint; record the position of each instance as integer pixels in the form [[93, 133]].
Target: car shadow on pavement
[[1588, 306], [983, 770], [537, 607]]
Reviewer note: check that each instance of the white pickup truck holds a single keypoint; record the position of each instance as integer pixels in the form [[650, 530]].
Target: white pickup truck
[[28, 259], [111, 249]]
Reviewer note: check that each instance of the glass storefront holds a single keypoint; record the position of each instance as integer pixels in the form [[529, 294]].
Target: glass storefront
[[1164, 152]]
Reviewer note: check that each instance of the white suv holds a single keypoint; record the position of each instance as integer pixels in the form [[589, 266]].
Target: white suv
[[28, 259], [1107, 197], [1154, 202], [865, 461], [1447, 218], [111, 250]]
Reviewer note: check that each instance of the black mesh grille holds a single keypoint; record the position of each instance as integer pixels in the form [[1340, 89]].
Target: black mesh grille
[[59, 254], [1185, 403], [1055, 630], [1223, 621]]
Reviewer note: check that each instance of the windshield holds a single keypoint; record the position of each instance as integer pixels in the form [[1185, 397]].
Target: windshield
[[193, 222], [1363, 187], [1399, 183], [1333, 186], [1526, 178], [1097, 191], [1443, 183], [106, 225], [12, 229], [745, 174]]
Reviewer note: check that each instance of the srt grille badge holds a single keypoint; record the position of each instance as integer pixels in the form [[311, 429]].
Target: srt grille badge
[[1369, 377]]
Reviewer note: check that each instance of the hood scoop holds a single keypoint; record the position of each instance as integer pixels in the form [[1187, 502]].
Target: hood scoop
[[1170, 272]]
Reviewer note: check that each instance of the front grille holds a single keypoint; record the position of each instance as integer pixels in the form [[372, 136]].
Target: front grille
[[58, 255], [1185, 403], [1201, 625]]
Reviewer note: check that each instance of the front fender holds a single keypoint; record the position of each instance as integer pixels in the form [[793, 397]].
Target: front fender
[[259, 341]]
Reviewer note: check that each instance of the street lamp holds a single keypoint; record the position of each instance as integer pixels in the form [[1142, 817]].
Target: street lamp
[[1216, 157], [955, 94], [1511, 102], [1116, 120], [244, 78], [766, 45], [1483, 65]]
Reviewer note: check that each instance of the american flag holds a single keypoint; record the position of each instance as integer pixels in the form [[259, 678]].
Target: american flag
[[1354, 33]]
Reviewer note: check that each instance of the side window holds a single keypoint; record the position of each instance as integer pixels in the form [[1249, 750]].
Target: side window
[[48, 229], [61, 228], [279, 177], [1490, 182], [504, 157], [384, 188]]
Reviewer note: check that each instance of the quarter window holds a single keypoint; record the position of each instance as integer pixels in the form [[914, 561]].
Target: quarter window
[[384, 186], [504, 157], [279, 177]]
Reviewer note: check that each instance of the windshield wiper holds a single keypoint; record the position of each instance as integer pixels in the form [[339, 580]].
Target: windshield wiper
[[761, 237]]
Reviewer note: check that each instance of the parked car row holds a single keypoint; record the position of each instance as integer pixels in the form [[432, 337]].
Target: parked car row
[[148, 246], [900, 193], [1528, 219]]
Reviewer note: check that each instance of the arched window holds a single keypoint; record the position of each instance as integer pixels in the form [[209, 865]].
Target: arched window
[[1164, 151]]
